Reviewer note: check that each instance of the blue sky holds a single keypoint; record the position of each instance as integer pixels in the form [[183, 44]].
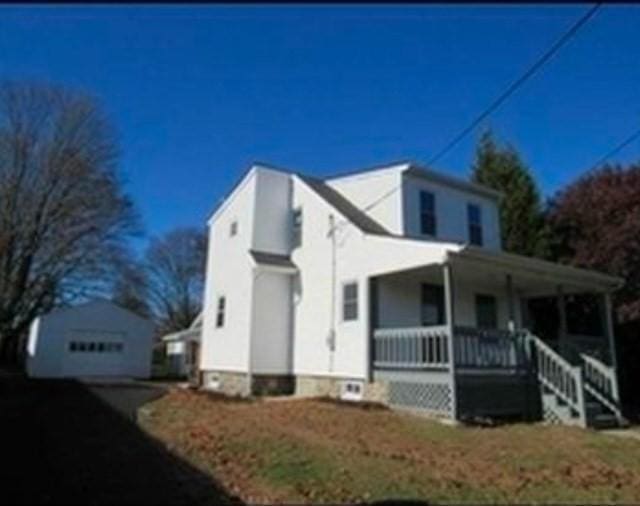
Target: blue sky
[[198, 93]]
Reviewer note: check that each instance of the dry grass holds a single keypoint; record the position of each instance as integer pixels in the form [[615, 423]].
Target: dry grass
[[317, 451]]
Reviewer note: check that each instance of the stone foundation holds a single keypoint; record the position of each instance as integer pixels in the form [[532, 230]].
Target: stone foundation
[[237, 383], [226, 382], [322, 386], [273, 384]]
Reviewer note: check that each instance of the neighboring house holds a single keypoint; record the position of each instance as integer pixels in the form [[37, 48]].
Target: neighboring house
[[390, 285], [182, 349], [97, 338]]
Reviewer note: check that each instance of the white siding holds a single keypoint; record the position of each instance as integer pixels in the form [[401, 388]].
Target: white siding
[[271, 344], [272, 212], [318, 307], [48, 348], [229, 274], [399, 300], [381, 187], [451, 212]]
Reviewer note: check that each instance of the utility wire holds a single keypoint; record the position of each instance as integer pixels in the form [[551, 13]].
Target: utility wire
[[546, 56], [635, 135]]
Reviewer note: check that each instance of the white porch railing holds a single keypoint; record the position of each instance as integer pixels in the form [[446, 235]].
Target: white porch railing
[[411, 348], [427, 348], [563, 380], [601, 382], [489, 349]]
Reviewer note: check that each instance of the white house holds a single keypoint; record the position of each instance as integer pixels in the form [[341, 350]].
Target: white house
[[390, 284], [182, 348], [97, 338]]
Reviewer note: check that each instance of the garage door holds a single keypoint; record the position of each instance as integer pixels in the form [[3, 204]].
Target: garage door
[[95, 353]]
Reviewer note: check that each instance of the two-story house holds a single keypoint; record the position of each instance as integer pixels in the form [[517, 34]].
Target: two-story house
[[390, 285]]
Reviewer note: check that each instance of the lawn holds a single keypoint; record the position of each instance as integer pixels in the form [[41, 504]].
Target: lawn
[[321, 451]]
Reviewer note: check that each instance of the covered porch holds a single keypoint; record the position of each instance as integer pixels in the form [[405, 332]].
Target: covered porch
[[455, 338]]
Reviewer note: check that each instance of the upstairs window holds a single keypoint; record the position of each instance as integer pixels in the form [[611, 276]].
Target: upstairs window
[[427, 213], [350, 301], [296, 228], [233, 228], [474, 217], [486, 312], [432, 307], [220, 312]]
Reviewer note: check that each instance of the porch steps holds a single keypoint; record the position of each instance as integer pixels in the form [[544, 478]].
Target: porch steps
[[598, 417]]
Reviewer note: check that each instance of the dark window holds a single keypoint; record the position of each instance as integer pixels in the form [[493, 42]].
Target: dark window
[[432, 308], [91, 346], [101, 347], [474, 217], [350, 301], [233, 229], [82, 346], [73, 346], [220, 312], [486, 312], [296, 228], [427, 213]]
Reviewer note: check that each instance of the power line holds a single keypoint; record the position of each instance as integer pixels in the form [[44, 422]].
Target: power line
[[518, 82], [635, 135], [546, 56]]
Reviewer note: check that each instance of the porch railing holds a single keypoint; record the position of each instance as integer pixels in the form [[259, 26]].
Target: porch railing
[[562, 379], [411, 348], [600, 381], [427, 348], [489, 349]]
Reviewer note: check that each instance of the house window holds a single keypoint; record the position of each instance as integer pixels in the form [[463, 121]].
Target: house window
[[427, 213], [296, 228], [432, 307], [220, 312], [233, 228], [350, 301], [474, 217], [486, 312]]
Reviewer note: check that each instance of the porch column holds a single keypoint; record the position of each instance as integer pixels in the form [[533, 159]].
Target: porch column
[[608, 328], [562, 330], [511, 324], [450, 321]]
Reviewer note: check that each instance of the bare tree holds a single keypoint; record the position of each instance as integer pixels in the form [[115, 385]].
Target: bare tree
[[175, 271], [129, 288], [64, 217]]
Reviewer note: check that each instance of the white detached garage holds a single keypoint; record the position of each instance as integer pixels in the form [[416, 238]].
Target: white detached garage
[[98, 338]]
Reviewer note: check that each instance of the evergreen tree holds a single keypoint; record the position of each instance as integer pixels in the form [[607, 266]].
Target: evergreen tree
[[521, 217]]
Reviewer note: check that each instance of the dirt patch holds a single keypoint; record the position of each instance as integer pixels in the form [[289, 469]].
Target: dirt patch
[[319, 451]]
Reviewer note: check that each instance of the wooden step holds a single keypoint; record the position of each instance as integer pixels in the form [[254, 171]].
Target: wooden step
[[603, 421]]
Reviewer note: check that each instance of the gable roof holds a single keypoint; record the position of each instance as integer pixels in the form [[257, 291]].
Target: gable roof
[[359, 218]]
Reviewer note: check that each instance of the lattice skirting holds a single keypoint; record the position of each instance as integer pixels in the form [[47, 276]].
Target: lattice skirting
[[434, 398], [550, 416]]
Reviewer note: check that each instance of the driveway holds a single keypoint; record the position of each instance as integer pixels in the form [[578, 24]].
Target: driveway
[[67, 442]]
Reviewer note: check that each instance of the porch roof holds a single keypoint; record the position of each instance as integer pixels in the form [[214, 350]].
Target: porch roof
[[538, 271]]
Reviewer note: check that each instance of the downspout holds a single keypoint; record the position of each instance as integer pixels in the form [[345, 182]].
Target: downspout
[[331, 338]]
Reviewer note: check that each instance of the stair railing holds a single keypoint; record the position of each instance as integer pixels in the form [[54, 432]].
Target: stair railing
[[601, 381], [564, 380]]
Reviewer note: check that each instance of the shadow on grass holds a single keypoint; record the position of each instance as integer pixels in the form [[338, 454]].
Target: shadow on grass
[[63, 444]]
